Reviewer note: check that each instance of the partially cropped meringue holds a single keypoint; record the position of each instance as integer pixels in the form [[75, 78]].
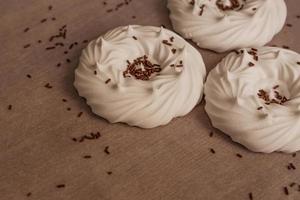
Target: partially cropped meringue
[[140, 75], [223, 25], [253, 95]]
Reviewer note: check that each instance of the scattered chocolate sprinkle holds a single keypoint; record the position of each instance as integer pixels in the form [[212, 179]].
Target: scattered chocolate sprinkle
[[212, 151], [50, 7], [85, 41], [68, 60], [289, 25], [48, 86], [104, 3], [211, 134], [254, 9], [26, 29], [28, 194], [298, 63], [250, 195], [44, 20], [250, 64], [50, 48], [292, 184], [107, 81], [133, 17], [95, 72], [106, 150], [201, 10], [275, 87], [71, 46], [61, 186], [109, 10], [28, 76], [91, 136], [9, 107], [166, 42], [298, 16], [294, 154], [39, 41], [87, 157], [58, 64], [53, 18], [26, 46], [292, 166], [239, 155], [79, 114], [68, 109], [65, 52], [285, 47], [172, 39], [109, 172], [134, 37], [286, 191], [174, 51], [260, 108], [64, 100]]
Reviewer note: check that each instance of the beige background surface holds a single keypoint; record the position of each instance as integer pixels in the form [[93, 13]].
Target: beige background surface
[[169, 163]]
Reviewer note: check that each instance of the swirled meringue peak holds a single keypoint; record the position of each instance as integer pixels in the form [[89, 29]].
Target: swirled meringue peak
[[140, 75], [223, 25], [253, 95]]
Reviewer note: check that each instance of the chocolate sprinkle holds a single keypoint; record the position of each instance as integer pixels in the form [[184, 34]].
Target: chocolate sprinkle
[[250, 195], [26, 29], [26, 46], [48, 86], [106, 150], [61, 186], [79, 114], [286, 191], [9, 107], [28, 194], [107, 81], [87, 157], [109, 172], [28, 76], [250, 64], [239, 155], [212, 151]]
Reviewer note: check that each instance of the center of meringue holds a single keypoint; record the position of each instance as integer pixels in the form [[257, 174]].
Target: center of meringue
[[272, 96], [141, 68], [228, 4]]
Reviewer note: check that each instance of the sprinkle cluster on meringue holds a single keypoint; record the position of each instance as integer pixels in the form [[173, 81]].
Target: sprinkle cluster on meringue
[[140, 75], [222, 25], [253, 95]]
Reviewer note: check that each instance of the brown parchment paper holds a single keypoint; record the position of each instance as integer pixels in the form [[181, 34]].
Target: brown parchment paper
[[172, 162]]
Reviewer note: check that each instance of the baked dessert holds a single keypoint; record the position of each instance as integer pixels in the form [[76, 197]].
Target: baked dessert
[[140, 75], [253, 95], [223, 25]]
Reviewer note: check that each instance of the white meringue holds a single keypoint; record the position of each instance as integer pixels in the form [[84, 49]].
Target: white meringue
[[237, 105], [251, 24], [173, 92]]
